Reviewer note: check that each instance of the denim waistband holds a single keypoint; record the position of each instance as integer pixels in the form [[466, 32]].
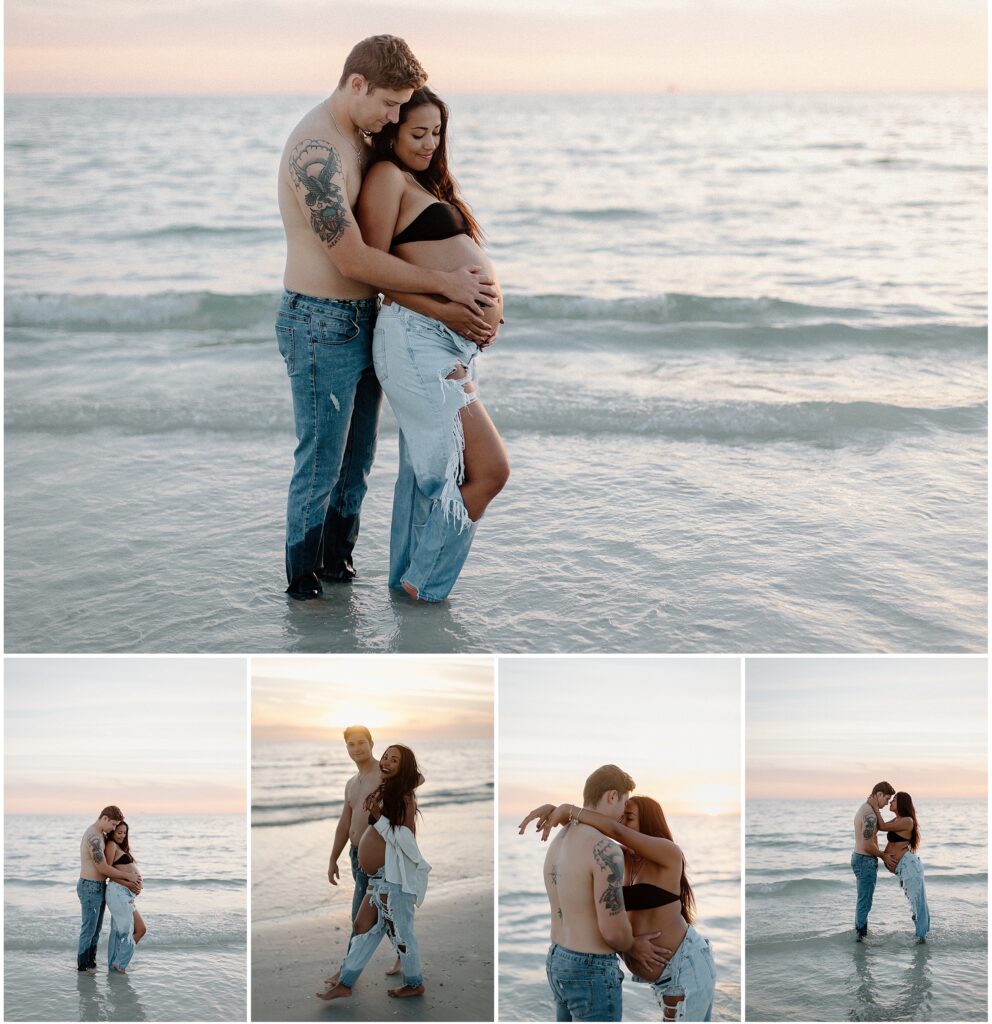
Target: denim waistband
[[867, 856], [91, 881], [294, 300], [563, 953]]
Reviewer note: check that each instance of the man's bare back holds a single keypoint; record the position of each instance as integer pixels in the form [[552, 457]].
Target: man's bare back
[[577, 857]]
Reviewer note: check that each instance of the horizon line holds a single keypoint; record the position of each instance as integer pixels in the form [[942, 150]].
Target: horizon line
[[662, 91]]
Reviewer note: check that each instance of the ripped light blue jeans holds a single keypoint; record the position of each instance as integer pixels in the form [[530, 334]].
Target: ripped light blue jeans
[[120, 902], [690, 974], [394, 916], [909, 871], [431, 531]]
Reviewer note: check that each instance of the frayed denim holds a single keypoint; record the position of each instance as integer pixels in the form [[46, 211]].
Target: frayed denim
[[690, 974], [431, 531], [394, 917]]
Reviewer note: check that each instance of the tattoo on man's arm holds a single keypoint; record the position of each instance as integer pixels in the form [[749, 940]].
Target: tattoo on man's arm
[[870, 822], [610, 860], [96, 849], [313, 165]]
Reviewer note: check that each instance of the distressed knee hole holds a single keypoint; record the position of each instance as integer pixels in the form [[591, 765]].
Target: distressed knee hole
[[400, 947], [674, 1007], [458, 373]]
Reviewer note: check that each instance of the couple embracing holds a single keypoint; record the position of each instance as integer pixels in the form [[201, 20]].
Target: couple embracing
[[369, 205], [902, 835], [616, 883], [108, 877]]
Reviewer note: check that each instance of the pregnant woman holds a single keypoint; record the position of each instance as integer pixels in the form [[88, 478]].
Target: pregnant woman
[[899, 856], [657, 897], [126, 928], [452, 459], [388, 854]]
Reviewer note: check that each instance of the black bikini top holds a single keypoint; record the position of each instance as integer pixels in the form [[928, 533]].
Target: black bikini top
[[644, 896], [124, 858], [371, 818], [894, 837], [437, 221]]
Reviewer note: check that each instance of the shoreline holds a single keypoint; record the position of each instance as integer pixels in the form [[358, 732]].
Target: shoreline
[[290, 959]]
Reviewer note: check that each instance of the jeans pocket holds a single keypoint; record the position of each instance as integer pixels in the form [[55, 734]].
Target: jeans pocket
[[334, 328]]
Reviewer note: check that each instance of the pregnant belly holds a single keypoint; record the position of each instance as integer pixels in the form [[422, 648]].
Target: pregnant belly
[[452, 254], [371, 851]]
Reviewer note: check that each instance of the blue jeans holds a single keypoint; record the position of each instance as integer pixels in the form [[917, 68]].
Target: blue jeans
[[92, 900], [689, 974], [431, 531], [395, 910], [361, 885], [865, 870], [326, 344], [120, 949], [909, 871], [586, 986]]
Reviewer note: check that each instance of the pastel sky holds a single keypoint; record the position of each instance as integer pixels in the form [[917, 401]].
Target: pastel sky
[[164, 47], [673, 724], [153, 735], [828, 728], [426, 697]]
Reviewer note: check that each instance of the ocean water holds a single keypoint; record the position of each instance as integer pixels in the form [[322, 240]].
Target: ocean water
[[297, 790], [191, 966], [800, 899], [712, 851], [742, 380]]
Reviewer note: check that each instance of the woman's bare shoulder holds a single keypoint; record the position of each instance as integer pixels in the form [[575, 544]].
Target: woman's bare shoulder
[[384, 174]]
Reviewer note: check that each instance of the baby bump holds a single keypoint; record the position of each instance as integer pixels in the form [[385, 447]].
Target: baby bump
[[371, 851]]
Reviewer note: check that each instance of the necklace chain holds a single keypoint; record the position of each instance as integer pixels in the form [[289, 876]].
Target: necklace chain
[[351, 141]]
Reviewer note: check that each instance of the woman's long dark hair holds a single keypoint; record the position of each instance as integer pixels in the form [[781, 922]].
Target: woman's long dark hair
[[393, 792], [437, 179], [905, 809], [653, 823]]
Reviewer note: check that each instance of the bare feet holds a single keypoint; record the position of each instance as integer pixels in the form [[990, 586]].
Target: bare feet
[[411, 590], [333, 979], [337, 991], [120, 970], [406, 991], [397, 968]]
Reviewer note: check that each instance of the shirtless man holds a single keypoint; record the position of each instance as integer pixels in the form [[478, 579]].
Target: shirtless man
[[864, 860], [91, 887], [354, 819], [324, 325], [583, 876]]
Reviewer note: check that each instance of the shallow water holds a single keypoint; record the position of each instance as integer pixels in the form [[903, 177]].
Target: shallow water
[[747, 412], [193, 963], [800, 920]]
